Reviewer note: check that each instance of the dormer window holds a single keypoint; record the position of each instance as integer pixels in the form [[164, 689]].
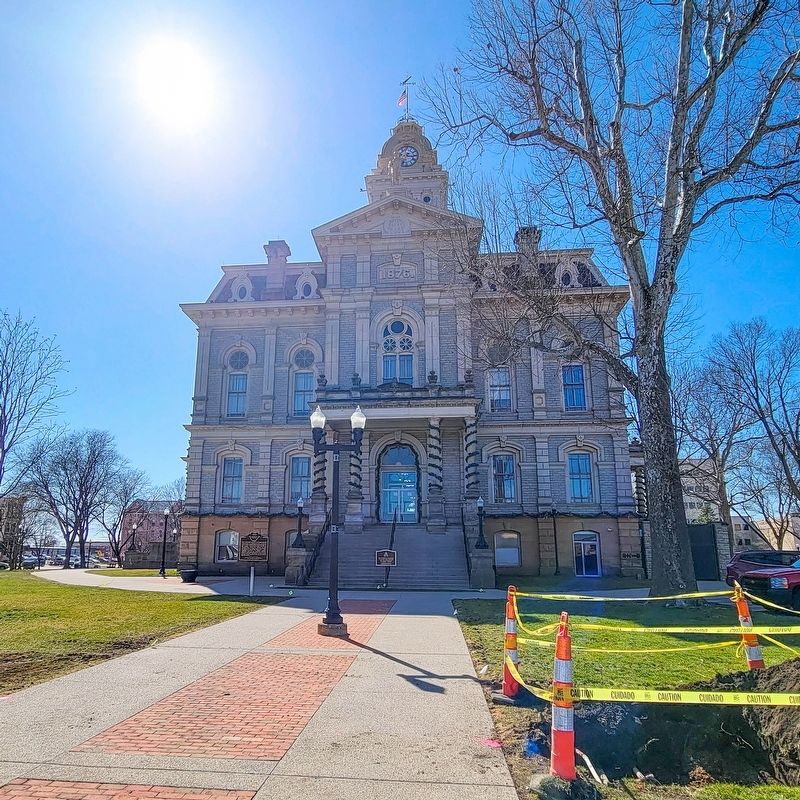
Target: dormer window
[[242, 290], [307, 286]]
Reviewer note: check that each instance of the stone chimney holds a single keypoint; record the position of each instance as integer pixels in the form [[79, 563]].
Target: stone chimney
[[526, 240], [277, 251]]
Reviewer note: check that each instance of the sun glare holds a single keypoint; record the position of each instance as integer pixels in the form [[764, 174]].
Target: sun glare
[[176, 84]]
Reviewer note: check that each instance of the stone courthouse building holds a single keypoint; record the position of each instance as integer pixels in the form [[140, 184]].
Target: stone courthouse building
[[377, 322]]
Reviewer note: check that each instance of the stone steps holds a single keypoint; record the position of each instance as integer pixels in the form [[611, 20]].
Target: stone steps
[[425, 560]]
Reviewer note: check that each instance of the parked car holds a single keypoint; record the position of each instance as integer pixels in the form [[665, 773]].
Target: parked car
[[55, 561], [31, 562], [749, 560], [780, 584], [4, 565]]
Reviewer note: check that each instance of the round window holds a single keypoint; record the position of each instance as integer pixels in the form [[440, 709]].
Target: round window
[[242, 292], [238, 360], [304, 359], [426, 199], [566, 278], [306, 290]]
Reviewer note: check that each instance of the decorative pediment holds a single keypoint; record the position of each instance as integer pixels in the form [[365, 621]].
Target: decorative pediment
[[394, 217]]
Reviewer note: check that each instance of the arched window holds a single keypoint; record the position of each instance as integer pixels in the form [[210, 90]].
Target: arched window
[[504, 478], [506, 549], [398, 352], [238, 362], [226, 546], [303, 382], [500, 388]]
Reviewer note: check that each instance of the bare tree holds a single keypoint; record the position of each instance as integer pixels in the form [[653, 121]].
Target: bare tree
[[38, 533], [642, 121], [67, 478], [29, 368], [118, 504], [716, 434], [767, 497], [763, 374]]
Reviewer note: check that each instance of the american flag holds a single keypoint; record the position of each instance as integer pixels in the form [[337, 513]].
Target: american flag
[[403, 99]]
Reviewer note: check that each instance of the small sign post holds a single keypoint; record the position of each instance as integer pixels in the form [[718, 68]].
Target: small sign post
[[386, 558], [254, 548]]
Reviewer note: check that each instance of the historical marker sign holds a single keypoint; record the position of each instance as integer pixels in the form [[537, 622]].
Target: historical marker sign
[[254, 547], [386, 558]]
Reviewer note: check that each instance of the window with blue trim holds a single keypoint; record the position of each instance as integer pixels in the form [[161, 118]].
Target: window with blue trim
[[500, 389], [303, 393], [398, 353], [237, 394], [574, 387], [580, 478], [300, 481]]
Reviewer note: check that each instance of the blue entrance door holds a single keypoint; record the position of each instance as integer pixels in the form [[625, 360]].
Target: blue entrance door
[[399, 485]]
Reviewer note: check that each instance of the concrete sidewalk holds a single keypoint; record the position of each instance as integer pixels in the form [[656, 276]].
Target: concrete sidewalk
[[262, 705]]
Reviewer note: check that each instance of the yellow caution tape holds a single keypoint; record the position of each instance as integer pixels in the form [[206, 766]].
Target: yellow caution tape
[[784, 646], [582, 597], [726, 630], [523, 627], [763, 602], [658, 695], [711, 646]]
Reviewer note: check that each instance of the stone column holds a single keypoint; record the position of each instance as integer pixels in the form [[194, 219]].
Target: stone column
[[354, 518], [436, 516], [471, 456]]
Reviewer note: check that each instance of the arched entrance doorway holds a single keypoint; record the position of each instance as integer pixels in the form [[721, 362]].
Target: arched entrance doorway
[[398, 478]]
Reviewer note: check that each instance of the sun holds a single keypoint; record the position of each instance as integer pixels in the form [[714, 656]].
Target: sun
[[176, 84]]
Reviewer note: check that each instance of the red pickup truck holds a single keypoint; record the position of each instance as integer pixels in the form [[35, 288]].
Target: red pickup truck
[[780, 584]]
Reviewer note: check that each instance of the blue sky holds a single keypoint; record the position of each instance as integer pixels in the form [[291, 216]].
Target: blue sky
[[110, 217]]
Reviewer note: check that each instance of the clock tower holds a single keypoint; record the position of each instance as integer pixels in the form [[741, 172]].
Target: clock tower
[[408, 167]]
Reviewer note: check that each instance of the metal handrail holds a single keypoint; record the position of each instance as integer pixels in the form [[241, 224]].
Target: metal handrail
[[391, 547], [315, 552], [466, 543]]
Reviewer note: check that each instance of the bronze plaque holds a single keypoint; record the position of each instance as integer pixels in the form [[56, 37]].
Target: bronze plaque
[[386, 558], [254, 547]]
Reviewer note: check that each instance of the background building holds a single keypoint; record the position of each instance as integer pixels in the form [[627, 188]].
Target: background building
[[378, 322]]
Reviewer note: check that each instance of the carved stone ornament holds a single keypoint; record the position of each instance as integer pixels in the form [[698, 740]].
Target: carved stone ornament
[[322, 381], [397, 258], [397, 307], [356, 380], [433, 377]]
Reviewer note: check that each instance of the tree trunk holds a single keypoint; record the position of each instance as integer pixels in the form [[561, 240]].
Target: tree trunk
[[672, 568], [68, 542], [725, 507]]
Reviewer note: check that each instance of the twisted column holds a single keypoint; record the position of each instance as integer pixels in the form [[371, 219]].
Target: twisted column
[[435, 455], [354, 483], [471, 455], [318, 485]]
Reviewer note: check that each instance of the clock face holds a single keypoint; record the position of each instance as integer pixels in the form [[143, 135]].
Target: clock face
[[408, 155]]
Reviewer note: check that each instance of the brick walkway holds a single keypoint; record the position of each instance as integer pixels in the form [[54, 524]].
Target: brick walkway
[[78, 790], [252, 708], [362, 616]]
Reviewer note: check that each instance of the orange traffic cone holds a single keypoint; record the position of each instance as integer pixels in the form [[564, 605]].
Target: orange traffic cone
[[752, 649], [562, 736], [510, 684]]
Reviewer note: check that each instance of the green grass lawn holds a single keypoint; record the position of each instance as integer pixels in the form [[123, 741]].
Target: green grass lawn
[[113, 572], [482, 625], [567, 584], [49, 628]]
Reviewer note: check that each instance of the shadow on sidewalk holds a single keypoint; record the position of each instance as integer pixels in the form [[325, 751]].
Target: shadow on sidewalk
[[417, 681]]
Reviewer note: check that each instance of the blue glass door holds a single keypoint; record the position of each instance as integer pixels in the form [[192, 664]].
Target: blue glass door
[[399, 491]]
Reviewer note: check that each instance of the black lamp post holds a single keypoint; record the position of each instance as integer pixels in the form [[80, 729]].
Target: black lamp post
[[332, 623], [133, 537], [481, 544], [163, 571], [298, 537]]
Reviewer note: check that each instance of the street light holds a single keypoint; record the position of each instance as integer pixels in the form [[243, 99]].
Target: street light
[[298, 537], [163, 571], [133, 537], [332, 623], [481, 544]]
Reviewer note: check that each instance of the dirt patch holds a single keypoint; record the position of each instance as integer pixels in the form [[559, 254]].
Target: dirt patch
[[690, 745], [20, 670]]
